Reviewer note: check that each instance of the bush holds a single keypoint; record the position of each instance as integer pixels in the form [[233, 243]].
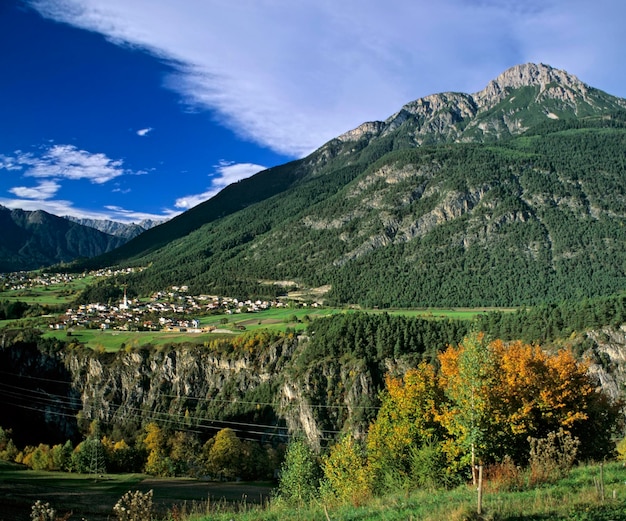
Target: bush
[[134, 506], [505, 476], [552, 457], [346, 474], [429, 466], [42, 512]]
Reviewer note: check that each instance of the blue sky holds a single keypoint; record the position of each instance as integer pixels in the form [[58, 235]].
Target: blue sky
[[133, 109]]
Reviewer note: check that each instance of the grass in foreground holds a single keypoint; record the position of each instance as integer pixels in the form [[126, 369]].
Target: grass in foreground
[[575, 498]]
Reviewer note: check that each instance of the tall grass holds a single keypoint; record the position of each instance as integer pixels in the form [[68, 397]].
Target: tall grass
[[576, 497]]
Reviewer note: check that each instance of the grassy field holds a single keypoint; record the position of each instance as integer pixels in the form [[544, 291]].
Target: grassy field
[[578, 497], [93, 498], [48, 295], [278, 319]]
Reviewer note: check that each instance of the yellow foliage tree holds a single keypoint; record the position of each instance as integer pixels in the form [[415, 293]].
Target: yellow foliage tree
[[346, 472], [223, 454], [500, 394], [406, 419]]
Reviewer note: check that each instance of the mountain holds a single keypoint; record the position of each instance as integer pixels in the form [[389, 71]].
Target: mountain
[[512, 195], [32, 240], [118, 229]]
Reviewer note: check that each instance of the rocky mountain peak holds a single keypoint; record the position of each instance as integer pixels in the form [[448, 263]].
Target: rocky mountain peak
[[528, 75], [533, 90]]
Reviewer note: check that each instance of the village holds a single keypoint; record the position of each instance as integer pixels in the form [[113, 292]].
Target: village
[[171, 310]]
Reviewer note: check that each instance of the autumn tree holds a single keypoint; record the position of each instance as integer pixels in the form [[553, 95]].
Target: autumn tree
[[185, 453], [541, 393], [346, 473], [467, 376], [223, 454], [158, 462], [500, 394], [407, 419]]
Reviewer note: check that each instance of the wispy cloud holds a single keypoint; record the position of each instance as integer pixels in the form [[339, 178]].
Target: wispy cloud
[[226, 173], [9, 163], [144, 131], [291, 75], [123, 215], [44, 190], [65, 162]]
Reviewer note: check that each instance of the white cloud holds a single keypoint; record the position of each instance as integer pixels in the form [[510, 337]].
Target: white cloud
[[65, 162], [291, 75], [226, 173], [44, 190], [9, 163], [144, 131]]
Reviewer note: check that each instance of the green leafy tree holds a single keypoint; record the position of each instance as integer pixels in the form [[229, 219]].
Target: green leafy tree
[[300, 474], [224, 454], [467, 376]]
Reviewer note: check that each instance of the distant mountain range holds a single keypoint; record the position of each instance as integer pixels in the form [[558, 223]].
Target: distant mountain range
[[36, 239], [512, 195], [118, 229], [32, 240]]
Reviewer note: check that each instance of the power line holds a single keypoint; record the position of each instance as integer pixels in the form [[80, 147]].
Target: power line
[[45, 399]]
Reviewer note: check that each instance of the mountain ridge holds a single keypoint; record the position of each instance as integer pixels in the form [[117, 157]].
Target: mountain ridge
[[126, 231], [439, 112], [36, 239], [505, 195]]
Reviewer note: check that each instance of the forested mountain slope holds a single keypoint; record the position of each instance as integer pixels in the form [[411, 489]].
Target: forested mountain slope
[[513, 195], [31, 240]]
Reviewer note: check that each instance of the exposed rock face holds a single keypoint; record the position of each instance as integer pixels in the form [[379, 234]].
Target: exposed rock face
[[269, 390], [530, 74], [610, 364], [139, 385], [118, 229]]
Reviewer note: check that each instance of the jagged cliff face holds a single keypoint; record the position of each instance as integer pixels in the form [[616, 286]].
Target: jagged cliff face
[[265, 393], [609, 366], [320, 400], [168, 385], [193, 387]]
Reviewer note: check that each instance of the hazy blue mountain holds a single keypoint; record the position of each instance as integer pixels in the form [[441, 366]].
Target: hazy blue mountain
[[32, 240], [126, 231]]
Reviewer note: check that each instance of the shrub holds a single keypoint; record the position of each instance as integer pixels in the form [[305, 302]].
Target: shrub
[[551, 457], [429, 466], [42, 512], [621, 450], [505, 476], [346, 474], [134, 506]]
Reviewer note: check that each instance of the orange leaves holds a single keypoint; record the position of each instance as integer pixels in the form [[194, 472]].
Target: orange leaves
[[487, 398]]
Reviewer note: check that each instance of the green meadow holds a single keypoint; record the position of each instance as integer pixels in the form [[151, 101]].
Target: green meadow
[[589, 493], [277, 319]]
